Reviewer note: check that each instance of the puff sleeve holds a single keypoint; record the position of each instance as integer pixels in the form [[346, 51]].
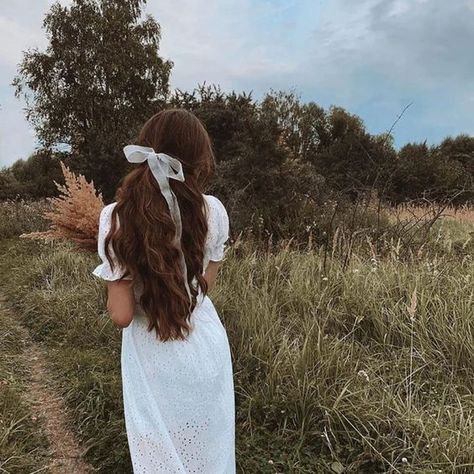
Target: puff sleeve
[[104, 270], [220, 224]]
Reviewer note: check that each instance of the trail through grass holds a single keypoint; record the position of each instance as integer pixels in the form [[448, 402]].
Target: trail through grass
[[23, 445], [34, 436], [65, 454]]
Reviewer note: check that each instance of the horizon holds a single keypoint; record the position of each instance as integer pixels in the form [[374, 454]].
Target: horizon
[[377, 56]]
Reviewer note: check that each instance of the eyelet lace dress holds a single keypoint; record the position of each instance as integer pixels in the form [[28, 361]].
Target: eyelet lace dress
[[178, 395]]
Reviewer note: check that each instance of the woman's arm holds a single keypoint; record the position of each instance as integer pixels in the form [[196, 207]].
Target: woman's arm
[[121, 298], [121, 302], [210, 274]]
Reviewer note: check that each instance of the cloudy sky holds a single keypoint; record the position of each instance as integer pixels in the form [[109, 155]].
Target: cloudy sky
[[372, 57]]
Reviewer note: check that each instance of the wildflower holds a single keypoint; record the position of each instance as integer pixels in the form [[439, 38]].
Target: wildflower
[[364, 374], [270, 461], [404, 460]]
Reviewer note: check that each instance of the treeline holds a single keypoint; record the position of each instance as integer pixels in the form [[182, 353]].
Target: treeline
[[281, 163]]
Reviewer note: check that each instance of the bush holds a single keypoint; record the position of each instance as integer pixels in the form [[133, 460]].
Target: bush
[[18, 217]]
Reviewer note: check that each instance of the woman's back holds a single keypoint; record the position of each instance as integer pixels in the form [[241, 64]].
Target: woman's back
[[217, 235]]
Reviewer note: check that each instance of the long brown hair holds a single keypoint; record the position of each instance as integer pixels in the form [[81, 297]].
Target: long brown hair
[[142, 239]]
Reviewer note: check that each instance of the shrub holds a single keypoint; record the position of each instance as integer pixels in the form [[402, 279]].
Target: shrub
[[20, 216]]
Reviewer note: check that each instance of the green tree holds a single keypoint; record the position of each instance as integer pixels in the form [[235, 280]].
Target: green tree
[[413, 176], [32, 178], [228, 117], [97, 81], [305, 129], [437, 173], [351, 159], [457, 155], [334, 142], [265, 186], [460, 148]]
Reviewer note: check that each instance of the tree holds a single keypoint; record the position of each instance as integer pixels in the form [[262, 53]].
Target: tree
[[413, 176], [228, 117], [457, 155], [460, 149], [97, 81], [32, 178], [351, 159], [263, 184], [437, 173], [304, 126]]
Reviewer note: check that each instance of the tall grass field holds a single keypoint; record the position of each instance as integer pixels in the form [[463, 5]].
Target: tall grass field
[[363, 365]]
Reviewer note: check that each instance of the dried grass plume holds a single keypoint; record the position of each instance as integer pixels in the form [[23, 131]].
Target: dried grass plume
[[74, 214]]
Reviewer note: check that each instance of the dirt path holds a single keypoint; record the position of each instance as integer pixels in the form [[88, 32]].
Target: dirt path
[[66, 455]]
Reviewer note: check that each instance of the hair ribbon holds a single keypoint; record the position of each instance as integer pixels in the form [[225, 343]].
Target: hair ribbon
[[164, 168]]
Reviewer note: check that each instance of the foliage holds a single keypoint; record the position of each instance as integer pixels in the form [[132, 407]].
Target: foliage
[[335, 142], [98, 80], [32, 178], [437, 173], [74, 215], [264, 185], [21, 216]]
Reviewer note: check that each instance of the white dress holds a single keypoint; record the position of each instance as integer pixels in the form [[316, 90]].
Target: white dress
[[178, 395]]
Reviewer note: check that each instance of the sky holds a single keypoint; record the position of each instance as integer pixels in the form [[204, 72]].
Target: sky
[[372, 57]]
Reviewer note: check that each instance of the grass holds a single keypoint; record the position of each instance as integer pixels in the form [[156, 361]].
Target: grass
[[18, 217], [461, 214], [361, 366], [23, 448], [56, 305]]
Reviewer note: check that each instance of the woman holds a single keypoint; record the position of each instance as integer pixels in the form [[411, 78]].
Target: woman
[[161, 244]]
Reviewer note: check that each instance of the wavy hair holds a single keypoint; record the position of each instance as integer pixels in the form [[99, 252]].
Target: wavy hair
[[142, 230]]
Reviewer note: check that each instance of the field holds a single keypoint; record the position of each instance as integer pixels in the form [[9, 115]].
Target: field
[[354, 365]]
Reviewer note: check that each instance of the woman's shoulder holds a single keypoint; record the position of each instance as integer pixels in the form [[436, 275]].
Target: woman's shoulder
[[106, 215], [217, 212], [110, 206], [214, 203], [107, 209]]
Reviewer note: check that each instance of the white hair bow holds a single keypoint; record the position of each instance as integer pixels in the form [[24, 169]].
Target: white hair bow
[[164, 168]]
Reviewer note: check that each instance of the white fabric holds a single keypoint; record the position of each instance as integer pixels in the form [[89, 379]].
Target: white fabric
[[178, 395]]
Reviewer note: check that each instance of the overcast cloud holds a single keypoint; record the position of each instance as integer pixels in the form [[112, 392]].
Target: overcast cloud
[[371, 56]]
